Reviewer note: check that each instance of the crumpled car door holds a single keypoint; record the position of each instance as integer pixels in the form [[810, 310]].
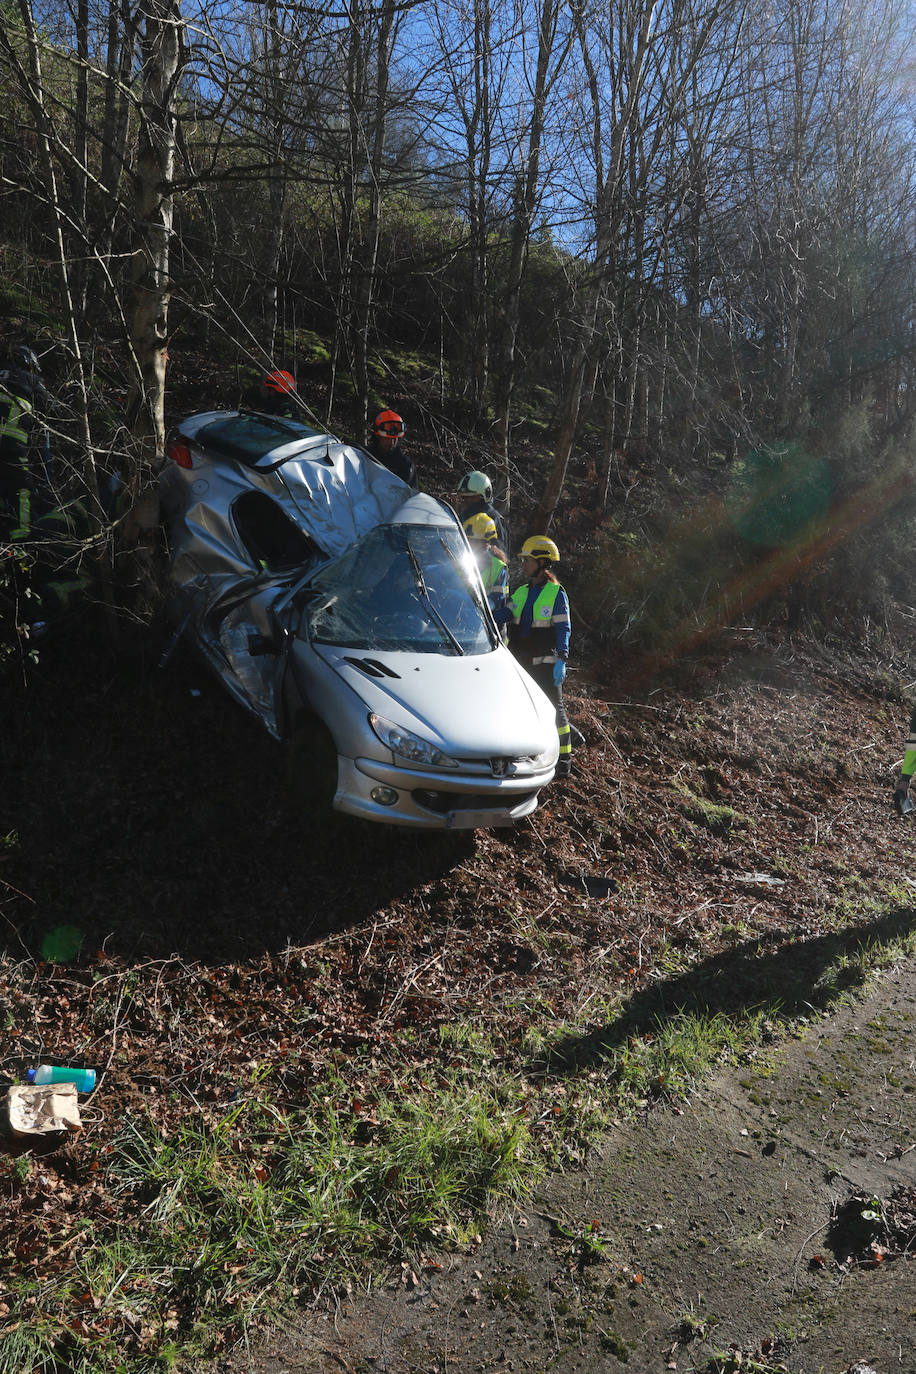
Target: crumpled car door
[[247, 648]]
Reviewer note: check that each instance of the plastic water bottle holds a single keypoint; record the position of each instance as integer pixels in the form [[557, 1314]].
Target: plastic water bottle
[[52, 1073]]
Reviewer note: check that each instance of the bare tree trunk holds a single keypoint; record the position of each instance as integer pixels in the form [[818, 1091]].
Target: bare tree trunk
[[608, 215], [347, 192], [81, 144], [365, 279], [36, 99], [122, 37], [86, 462], [479, 153], [276, 176], [525, 202], [162, 51]]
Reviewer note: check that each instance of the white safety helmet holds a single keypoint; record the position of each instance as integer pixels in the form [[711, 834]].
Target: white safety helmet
[[475, 484]]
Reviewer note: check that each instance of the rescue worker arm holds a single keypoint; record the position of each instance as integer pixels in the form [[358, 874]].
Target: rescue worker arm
[[561, 625]]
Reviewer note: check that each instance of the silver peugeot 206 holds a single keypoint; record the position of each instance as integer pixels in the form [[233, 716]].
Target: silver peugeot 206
[[346, 612]]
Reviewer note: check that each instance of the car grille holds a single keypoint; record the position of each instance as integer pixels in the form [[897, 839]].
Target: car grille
[[441, 802]]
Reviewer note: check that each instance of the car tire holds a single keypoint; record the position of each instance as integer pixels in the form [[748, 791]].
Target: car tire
[[311, 763]]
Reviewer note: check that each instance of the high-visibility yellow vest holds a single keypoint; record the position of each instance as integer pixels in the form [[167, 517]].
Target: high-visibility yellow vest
[[13, 409], [540, 646], [492, 574]]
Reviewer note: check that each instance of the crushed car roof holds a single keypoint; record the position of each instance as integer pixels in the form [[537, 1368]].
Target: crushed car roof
[[337, 491]]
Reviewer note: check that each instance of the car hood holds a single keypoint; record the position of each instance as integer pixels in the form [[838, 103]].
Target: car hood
[[477, 706]]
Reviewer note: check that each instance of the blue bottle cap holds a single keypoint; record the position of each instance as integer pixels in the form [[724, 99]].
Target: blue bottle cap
[[30, 1075]]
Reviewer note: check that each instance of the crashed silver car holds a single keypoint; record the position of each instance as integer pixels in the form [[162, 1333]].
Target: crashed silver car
[[346, 612]]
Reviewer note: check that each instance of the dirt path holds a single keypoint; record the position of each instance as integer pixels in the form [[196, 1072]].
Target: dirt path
[[721, 1227]]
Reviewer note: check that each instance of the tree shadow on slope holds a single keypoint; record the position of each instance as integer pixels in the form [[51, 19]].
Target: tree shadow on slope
[[152, 815], [796, 979]]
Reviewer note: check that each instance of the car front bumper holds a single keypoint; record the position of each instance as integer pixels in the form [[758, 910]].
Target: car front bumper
[[435, 800]]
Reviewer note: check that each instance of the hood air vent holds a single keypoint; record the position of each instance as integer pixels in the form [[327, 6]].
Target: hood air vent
[[371, 667]]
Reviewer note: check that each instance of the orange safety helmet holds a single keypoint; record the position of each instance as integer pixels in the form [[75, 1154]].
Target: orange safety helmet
[[388, 422], [280, 381]]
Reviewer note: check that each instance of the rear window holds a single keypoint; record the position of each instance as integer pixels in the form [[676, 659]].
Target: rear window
[[247, 438]]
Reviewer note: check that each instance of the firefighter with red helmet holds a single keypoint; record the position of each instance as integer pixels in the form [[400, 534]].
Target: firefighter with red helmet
[[277, 394], [385, 446]]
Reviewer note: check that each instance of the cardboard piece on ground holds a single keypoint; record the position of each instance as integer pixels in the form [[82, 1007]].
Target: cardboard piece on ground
[[37, 1109]]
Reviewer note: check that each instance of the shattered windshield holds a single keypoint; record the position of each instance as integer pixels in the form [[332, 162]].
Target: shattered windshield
[[401, 587]]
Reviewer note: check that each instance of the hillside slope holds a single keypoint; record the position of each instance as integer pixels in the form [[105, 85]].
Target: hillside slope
[[171, 920]]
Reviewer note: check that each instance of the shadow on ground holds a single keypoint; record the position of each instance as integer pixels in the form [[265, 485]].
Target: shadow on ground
[[793, 980], [189, 840]]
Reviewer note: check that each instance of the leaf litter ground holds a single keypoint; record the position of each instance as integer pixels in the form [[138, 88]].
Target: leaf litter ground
[[742, 811]]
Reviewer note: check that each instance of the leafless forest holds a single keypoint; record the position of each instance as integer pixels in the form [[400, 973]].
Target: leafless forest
[[653, 233]]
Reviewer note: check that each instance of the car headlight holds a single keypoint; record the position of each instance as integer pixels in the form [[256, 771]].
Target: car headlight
[[544, 760], [406, 745]]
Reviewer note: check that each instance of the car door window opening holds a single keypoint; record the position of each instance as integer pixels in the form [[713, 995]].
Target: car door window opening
[[269, 535]]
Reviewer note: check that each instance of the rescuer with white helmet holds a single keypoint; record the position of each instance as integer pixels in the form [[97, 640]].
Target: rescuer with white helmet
[[474, 496]]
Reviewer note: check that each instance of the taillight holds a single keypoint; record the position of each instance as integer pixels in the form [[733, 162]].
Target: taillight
[[178, 451]]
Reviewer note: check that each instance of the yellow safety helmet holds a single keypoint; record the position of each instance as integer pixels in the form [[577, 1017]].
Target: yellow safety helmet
[[539, 546], [481, 526]]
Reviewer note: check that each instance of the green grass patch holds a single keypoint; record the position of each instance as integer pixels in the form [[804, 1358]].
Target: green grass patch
[[719, 820], [221, 1221], [236, 1216]]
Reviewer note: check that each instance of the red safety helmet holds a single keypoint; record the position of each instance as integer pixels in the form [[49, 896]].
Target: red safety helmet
[[278, 380], [388, 422]]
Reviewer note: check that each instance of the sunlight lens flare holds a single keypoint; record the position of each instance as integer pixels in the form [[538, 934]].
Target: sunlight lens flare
[[777, 493]]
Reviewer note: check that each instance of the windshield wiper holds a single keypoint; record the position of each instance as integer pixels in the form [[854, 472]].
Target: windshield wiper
[[427, 600], [417, 570]]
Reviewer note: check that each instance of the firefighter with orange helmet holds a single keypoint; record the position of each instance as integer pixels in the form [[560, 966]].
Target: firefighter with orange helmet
[[277, 394], [385, 446]]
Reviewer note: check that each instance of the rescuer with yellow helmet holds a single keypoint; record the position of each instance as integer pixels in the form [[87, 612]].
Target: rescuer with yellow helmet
[[494, 569], [23, 397], [902, 799], [539, 631]]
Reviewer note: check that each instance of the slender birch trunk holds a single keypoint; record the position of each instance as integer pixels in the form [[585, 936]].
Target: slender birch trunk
[[161, 47], [364, 291]]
